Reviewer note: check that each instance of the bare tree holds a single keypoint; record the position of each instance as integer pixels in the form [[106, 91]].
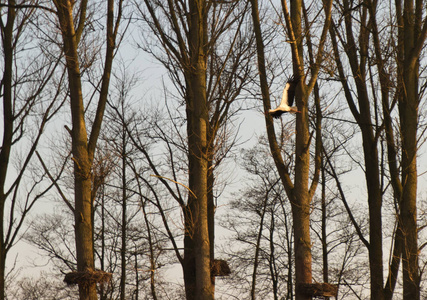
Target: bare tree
[[208, 71], [363, 116], [43, 288], [73, 27], [27, 108], [139, 245], [299, 192], [412, 35], [261, 251], [366, 112]]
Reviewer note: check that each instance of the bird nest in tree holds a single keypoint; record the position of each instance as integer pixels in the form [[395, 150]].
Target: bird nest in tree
[[87, 277], [318, 289], [220, 267]]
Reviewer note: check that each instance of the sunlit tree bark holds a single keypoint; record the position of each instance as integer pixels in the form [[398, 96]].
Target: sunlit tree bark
[[198, 249], [83, 147], [361, 111], [299, 192], [412, 35], [189, 37]]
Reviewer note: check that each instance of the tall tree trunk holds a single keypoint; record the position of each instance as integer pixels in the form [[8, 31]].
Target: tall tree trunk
[[196, 242], [124, 228], [375, 220], [197, 260], [83, 149], [301, 200], [412, 34], [301, 204], [362, 115], [102, 292], [82, 175], [82, 162], [408, 111], [299, 193], [7, 40], [211, 210], [370, 152], [408, 207], [324, 230], [258, 248]]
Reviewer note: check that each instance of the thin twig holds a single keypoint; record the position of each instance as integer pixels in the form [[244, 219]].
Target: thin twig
[[162, 177]]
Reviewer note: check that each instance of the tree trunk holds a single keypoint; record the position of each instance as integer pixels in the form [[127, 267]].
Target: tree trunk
[[370, 152], [409, 39], [197, 260], [124, 228], [408, 208], [83, 229], [7, 39], [301, 200], [82, 162], [83, 149], [197, 208], [272, 259], [103, 294], [324, 230], [3, 253], [357, 54], [297, 192], [211, 209], [408, 109]]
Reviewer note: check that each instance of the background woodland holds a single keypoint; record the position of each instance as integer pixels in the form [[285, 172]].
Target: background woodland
[[138, 160]]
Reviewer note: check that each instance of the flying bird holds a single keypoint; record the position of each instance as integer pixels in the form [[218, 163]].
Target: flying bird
[[287, 99]]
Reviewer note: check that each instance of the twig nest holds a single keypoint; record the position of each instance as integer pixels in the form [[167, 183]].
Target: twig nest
[[318, 289], [87, 277], [220, 267]]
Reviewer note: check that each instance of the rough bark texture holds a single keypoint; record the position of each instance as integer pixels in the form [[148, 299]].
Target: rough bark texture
[[197, 277], [83, 148], [301, 201], [385, 79], [362, 114], [7, 39], [301, 204], [124, 224], [408, 112], [82, 161], [300, 192], [211, 212]]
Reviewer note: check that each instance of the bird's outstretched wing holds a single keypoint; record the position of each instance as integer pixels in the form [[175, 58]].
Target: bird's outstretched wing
[[291, 87], [276, 113], [287, 99]]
